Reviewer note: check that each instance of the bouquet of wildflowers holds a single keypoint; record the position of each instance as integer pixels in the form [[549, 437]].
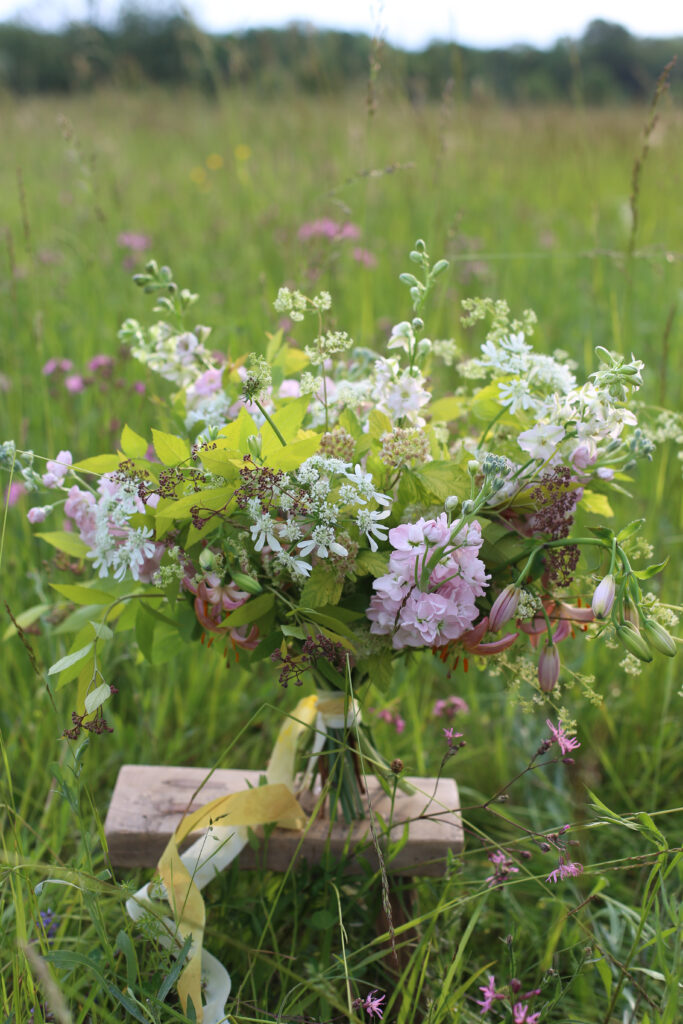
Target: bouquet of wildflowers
[[326, 507]]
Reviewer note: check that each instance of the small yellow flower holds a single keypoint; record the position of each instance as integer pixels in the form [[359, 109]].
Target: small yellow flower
[[242, 152], [214, 161], [198, 175]]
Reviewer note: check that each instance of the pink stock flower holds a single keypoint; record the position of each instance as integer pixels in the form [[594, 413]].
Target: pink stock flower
[[57, 469], [15, 492], [209, 382], [565, 743], [74, 383], [38, 514], [585, 454]]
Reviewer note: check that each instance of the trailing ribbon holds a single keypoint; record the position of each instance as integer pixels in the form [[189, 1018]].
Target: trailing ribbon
[[181, 878]]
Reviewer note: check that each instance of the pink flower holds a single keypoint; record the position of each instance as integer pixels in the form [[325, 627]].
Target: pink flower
[[585, 454], [100, 362], [392, 718], [448, 707], [139, 387], [289, 388], [605, 473], [209, 382], [133, 240], [521, 1015], [349, 230], [503, 868], [490, 994], [565, 743], [364, 256], [15, 492], [74, 383], [52, 365], [324, 226], [38, 514], [548, 667], [504, 607], [565, 870], [57, 469], [372, 1004]]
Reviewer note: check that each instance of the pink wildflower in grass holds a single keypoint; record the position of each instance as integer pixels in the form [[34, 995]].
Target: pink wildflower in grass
[[74, 383], [15, 492], [324, 226], [139, 387], [55, 365], [559, 736], [448, 707], [372, 1004], [101, 363], [134, 240], [521, 1015], [365, 257], [490, 995], [391, 718], [565, 869], [503, 868]]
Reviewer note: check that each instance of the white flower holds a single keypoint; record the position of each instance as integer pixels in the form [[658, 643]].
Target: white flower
[[516, 395], [368, 523], [541, 441], [262, 533]]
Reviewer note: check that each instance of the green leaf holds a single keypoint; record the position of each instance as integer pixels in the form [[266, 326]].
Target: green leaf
[[251, 611], [349, 422], [651, 570], [598, 504], [102, 630], [69, 543], [171, 450], [97, 697], [322, 587], [379, 424], [442, 479], [295, 453], [374, 563], [288, 420], [70, 659], [449, 408], [378, 669], [329, 622], [26, 618], [132, 444], [211, 500], [78, 594], [603, 970], [630, 530], [603, 532], [99, 464], [296, 631]]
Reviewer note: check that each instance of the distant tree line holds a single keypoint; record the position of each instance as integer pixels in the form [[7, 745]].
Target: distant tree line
[[607, 64]]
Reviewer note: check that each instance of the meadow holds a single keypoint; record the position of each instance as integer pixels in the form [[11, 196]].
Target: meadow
[[537, 205]]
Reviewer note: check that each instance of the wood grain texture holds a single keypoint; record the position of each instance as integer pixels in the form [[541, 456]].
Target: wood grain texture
[[149, 801]]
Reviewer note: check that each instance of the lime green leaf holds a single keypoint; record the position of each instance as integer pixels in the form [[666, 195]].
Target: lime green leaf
[[237, 432], [102, 630], [379, 424], [288, 420], [209, 500], [296, 631], [331, 622], [69, 543], [378, 669], [322, 587], [597, 504], [97, 697], [373, 563], [69, 659], [78, 594], [448, 408], [630, 530], [132, 444], [295, 453], [99, 464], [291, 360], [349, 422], [443, 479], [171, 450], [651, 570], [251, 611], [25, 619]]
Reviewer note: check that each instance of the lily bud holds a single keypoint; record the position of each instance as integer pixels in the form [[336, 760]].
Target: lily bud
[[631, 613], [548, 667], [634, 642], [246, 583], [603, 597], [658, 637], [504, 607]]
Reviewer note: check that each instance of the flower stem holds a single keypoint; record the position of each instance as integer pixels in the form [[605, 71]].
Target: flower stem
[[270, 421]]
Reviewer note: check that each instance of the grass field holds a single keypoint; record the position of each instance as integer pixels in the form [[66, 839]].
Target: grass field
[[534, 205]]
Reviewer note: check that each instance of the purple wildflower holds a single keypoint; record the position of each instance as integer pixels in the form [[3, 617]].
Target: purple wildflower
[[134, 240], [449, 707], [521, 1015], [503, 868], [490, 994], [566, 743], [364, 256], [372, 1004], [565, 870]]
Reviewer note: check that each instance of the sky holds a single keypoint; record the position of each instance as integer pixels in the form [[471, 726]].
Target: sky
[[407, 23]]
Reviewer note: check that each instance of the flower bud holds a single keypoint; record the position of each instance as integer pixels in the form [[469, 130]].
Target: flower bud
[[451, 502], [473, 467], [631, 638], [548, 667], [467, 506], [246, 583], [631, 613], [38, 514], [658, 637], [603, 597], [504, 607]]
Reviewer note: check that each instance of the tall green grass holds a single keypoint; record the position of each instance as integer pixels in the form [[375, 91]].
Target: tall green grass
[[531, 205]]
